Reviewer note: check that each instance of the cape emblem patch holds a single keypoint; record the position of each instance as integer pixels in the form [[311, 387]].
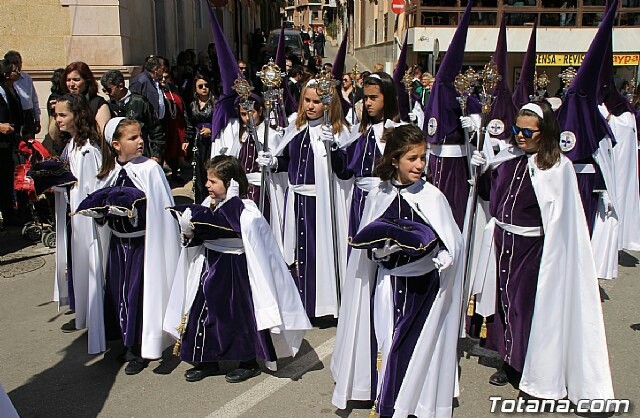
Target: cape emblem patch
[[495, 127], [432, 126], [567, 141]]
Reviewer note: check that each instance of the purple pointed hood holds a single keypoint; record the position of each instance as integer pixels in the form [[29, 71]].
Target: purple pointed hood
[[580, 121], [337, 69], [290, 103], [525, 88], [225, 107], [607, 91], [443, 108], [398, 74], [503, 108]]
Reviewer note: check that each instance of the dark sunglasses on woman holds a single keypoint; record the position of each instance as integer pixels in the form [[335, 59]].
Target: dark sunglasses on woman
[[526, 132]]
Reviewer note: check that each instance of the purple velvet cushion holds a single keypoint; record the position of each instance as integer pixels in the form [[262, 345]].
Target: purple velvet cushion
[[414, 238], [94, 202], [124, 199], [50, 173]]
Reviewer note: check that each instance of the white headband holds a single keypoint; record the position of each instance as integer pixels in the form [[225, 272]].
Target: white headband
[[535, 108], [110, 129], [389, 124], [375, 76]]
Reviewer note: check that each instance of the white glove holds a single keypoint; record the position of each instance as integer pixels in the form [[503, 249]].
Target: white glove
[[326, 134], [467, 123], [185, 223], [233, 190], [384, 252], [118, 211], [265, 159], [413, 118], [92, 214], [478, 159], [442, 261], [606, 200]]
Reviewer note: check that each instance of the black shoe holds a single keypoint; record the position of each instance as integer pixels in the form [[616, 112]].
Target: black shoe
[[69, 326], [127, 355], [136, 366], [241, 374], [499, 378], [201, 371]]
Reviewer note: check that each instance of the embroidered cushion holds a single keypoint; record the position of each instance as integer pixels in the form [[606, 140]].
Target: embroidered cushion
[[50, 173], [414, 238]]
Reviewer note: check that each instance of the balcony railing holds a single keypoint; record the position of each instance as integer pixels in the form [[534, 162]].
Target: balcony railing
[[550, 13]]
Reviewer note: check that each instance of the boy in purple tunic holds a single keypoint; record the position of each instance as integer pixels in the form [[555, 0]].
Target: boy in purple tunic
[[224, 318], [542, 290]]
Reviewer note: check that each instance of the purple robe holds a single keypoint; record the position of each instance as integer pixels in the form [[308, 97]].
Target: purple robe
[[124, 279], [450, 175], [221, 324], [248, 157], [413, 298], [513, 201], [298, 159]]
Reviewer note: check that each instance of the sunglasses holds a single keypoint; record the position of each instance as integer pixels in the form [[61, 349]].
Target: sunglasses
[[526, 132], [345, 79], [242, 68], [203, 86], [106, 90]]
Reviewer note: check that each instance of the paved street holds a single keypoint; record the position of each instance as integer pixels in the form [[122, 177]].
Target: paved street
[[48, 373]]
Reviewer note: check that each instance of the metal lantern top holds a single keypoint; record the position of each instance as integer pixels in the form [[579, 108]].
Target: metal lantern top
[[407, 78], [271, 75], [242, 87], [542, 81], [490, 76], [325, 86], [568, 75], [472, 77], [354, 72]]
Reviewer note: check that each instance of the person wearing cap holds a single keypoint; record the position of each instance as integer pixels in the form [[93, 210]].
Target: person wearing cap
[[537, 274], [125, 103], [140, 245]]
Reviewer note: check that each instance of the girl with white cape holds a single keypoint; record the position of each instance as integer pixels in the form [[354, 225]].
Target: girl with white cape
[[307, 235], [74, 236], [404, 307], [539, 278], [138, 249], [233, 297]]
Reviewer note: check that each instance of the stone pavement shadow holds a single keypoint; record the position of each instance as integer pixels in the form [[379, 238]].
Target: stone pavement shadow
[[290, 369], [351, 405], [12, 241], [77, 386], [627, 260], [168, 362]]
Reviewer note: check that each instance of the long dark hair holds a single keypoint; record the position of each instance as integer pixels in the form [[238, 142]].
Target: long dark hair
[[388, 90], [109, 153], [91, 85], [226, 167], [398, 141], [58, 82], [549, 145], [83, 120]]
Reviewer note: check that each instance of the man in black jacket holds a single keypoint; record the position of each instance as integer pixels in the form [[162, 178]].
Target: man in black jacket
[[126, 103], [10, 124]]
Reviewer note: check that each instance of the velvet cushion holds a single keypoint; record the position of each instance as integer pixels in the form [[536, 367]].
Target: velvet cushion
[[122, 200], [50, 173], [414, 238], [94, 202]]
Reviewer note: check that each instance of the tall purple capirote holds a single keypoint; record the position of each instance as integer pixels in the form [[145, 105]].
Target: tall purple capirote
[[502, 107], [225, 107], [290, 102], [443, 106], [398, 73], [525, 88], [579, 112]]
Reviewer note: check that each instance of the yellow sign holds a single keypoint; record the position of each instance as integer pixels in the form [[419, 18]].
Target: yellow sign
[[566, 60]]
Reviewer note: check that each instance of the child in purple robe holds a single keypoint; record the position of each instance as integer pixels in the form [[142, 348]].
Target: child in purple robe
[[229, 309], [540, 286], [359, 155], [308, 244], [399, 318], [139, 250]]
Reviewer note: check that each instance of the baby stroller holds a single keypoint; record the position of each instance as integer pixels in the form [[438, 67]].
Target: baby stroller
[[41, 227]]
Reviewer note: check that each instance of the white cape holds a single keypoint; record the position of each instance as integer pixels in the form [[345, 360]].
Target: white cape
[[326, 295], [430, 383], [277, 305], [162, 248], [84, 163], [567, 352], [625, 165]]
